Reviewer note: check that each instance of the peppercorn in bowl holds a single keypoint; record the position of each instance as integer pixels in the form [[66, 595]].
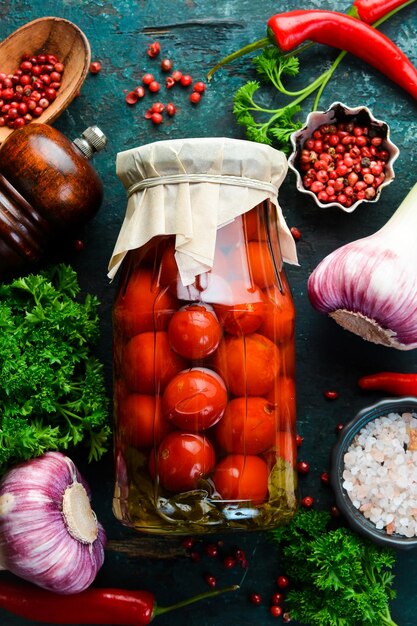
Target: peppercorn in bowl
[[342, 157], [374, 472]]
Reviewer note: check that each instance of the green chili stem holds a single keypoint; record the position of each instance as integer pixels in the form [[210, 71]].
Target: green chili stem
[[160, 610], [261, 43]]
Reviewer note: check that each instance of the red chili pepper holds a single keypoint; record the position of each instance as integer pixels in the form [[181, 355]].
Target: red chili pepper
[[92, 606], [341, 31], [391, 382], [371, 11]]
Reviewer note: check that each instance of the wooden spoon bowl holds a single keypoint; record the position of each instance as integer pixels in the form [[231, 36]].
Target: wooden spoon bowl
[[49, 35]]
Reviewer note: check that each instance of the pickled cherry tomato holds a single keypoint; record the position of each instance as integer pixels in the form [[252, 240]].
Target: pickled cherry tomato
[[195, 399], [279, 319], [284, 447], [148, 362], [247, 314], [254, 226], [261, 264], [194, 331], [241, 477], [140, 421], [143, 306], [248, 426], [248, 365], [282, 397], [182, 460]]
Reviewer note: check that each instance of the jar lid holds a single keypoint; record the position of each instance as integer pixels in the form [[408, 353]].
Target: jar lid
[[192, 187]]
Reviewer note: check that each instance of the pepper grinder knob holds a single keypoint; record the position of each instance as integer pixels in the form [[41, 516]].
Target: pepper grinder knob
[[92, 140]]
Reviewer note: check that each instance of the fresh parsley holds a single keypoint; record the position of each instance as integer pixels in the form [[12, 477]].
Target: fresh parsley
[[338, 579], [52, 391], [275, 126]]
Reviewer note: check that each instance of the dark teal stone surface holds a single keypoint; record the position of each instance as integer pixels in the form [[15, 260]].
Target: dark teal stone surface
[[195, 33]]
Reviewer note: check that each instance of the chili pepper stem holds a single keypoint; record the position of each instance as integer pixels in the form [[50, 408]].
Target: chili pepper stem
[[261, 43], [160, 610]]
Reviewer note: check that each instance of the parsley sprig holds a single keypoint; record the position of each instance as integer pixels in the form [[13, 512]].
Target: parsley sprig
[[52, 392], [274, 126], [337, 578]]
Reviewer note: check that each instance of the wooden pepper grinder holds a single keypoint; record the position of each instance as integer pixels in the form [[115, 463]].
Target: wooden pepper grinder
[[47, 189]]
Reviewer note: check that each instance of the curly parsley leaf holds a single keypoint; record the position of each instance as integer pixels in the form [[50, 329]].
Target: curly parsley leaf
[[52, 392], [338, 578]]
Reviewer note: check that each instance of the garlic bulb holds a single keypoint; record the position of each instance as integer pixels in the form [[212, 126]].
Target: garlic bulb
[[48, 533], [369, 286]]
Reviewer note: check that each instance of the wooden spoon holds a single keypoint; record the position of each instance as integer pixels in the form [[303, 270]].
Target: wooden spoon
[[49, 35]]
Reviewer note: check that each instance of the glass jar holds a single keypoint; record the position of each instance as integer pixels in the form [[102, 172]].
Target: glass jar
[[204, 379]]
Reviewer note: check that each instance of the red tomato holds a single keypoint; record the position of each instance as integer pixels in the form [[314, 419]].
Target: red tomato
[[248, 426], [168, 271], [254, 226], [195, 399], [143, 306], [261, 264], [242, 477], [194, 331], [140, 420], [284, 448], [278, 324], [282, 396], [246, 314], [149, 363], [182, 460], [248, 365]]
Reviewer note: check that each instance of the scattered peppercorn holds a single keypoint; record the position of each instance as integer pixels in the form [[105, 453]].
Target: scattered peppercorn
[[188, 543], [156, 118], [275, 610], [295, 233], [185, 80], [307, 502], [277, 598], [195, 97], [229, 562], [298, 440], [302, 467], [170, 109], [154, 49], [195, 556], [286, 617], [210, 580], [282, 582], [255, 598], [199, 86], [131, 97], [211, 549], [95, 67], [339, 428], [334, 511], [166, 65], [331, 394], [325, 478], [78, 245], [147, 78]]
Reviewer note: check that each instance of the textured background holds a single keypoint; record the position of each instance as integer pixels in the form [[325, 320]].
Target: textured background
[[195, 33]]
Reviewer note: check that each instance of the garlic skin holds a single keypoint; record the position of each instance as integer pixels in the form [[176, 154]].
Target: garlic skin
[[369, 286], [48, 533]]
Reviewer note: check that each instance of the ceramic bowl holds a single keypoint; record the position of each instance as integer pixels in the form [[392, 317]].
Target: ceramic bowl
[[352, 515], [339, 112], [51, 35]]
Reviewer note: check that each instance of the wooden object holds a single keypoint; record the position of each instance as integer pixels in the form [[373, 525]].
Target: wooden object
[[47, 187], [50, 35]]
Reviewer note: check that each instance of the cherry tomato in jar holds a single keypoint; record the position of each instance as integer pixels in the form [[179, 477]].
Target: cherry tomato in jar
[[194, 331], [261, 264], [195, 399], [254, 226], [149, 363], [242, 477], [182, 460], [248, 364], [248, 426], [279, 320], [282, 397], [144, 305], [247, 314], [140, 421], [284, 447]]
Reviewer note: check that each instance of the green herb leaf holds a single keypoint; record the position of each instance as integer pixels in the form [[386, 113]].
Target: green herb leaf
[[52, 392]]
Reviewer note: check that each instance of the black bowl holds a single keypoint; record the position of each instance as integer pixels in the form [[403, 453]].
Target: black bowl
[[353, 516]]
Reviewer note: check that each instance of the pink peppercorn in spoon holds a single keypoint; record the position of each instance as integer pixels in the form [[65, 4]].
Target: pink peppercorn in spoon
[[57, 38]]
